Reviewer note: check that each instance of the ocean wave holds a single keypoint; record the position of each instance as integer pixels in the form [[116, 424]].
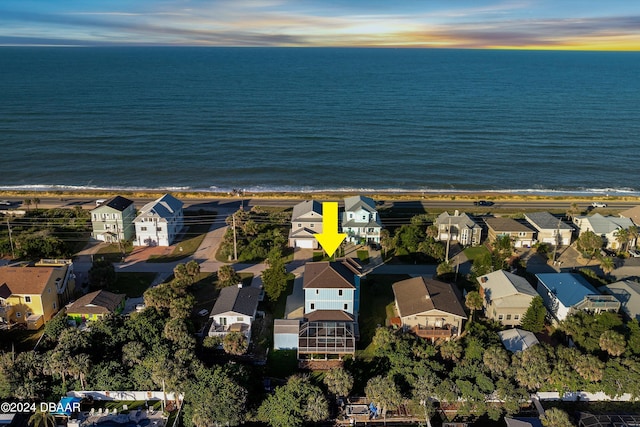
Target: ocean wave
[[263, 189]]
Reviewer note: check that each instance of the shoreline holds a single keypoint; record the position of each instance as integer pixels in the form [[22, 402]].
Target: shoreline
[[505, 195]]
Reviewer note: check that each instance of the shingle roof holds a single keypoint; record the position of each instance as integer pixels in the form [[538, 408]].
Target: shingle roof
[[238, 300], [458, 220], [118, 203], [164, 207], [328, 274], [502, 284], [284, 326], [628, 293], [507, 225], [545, 221], [26, 280], [517, 339], [5, 292], [605, 224], [569, 288], [329, 316], [304, 208], [356, 202], [98, 302], [418, 295], [633, 214]]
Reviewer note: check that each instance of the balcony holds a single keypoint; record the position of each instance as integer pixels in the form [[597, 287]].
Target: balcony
[[432, 333], [222, 330]]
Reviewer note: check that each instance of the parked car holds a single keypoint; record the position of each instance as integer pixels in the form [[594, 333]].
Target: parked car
[[5, 203], [634, 253], [203, 312], [599, 205], [483, 203]]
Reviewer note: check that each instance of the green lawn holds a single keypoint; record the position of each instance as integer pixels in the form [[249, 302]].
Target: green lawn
[[474, 252], [191, 239], [112, 252], [132, 284], [282, 363], [277, 307], [376, 304]]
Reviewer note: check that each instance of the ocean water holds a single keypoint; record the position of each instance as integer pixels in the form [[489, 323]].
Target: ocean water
[[316, 119]]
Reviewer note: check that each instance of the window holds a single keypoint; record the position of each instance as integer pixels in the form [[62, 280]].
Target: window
[[158, 228], [500, 316], [350, 216], [339, 292], [28, 314], [18, 314], [508, 317], [95, 217], [48, 290], [311, 225], [54, 306], [299, 225], [371, 230], [27, 299], [317, 291], [516, 317], [143, 228], [313, 306], [522, 233], [364, 217], [240, 319], [346, 307]]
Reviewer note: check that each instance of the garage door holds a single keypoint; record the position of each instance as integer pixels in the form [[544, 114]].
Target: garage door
[[305, 243]]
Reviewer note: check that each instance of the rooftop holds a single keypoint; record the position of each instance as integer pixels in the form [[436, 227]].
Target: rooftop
[[118, 203], [237, 300], [330, 274], [628, 293], [419, 295], [508, 225], [605, 224], [98, 302], [570, 289], [502, 284], [546, 221], [28, 280], [516, 339], [164, 207], [305, 208]]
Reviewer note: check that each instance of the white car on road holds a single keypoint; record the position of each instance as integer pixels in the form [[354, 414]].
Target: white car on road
[[599, 205]]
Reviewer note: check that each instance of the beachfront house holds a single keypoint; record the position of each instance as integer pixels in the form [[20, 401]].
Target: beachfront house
[[360, 220], [521, 235], [563, 293], [505, 296], [429, 308], [29, 295], [550, 229], [459, 228], [234, 311], [633, 214], [607, 227], [95, 306], [159, 222], [112, 220], [306, 222]]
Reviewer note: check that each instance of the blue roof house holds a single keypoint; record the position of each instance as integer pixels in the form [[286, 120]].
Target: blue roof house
[[564, 293]]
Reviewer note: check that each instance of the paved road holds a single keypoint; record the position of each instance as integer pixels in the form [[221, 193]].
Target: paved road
[[417, 204]]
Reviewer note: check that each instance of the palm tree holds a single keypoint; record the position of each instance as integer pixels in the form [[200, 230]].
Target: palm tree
[[573, 210], [622, 237], [235, 343], [473, 302], [633, 235], [451, 350], [36, 200], [555, 417], [27, 203], [613, 343], [42, 419], [496, 359], [607, 264]]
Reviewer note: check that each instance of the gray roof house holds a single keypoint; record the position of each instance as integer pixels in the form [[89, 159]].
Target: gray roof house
[[112, 221], [550, 228], [633, 214], [459, 228], [604, 226], [506, 296], [360, 220], [516, 340], [234, 310], [628, 293], [159, 222], [306, 222]]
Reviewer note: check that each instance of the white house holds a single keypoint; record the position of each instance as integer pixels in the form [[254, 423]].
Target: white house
[[506, 296], [306, 222], [360, 221], [564, 293], [234, 311], [159, 222], [550, 229], [605, 226]]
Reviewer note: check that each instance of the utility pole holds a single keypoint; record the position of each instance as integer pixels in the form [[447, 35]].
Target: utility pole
[[448, 238], [13, 254], [235, 243]]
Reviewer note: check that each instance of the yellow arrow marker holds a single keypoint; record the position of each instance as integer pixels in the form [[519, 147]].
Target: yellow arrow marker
[[330, 239]]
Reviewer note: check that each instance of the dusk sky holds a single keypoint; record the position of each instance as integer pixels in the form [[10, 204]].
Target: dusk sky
[[520, 24]]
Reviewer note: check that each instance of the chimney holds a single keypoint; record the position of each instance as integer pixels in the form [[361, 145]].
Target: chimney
[[456, 213], [239, 285]]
